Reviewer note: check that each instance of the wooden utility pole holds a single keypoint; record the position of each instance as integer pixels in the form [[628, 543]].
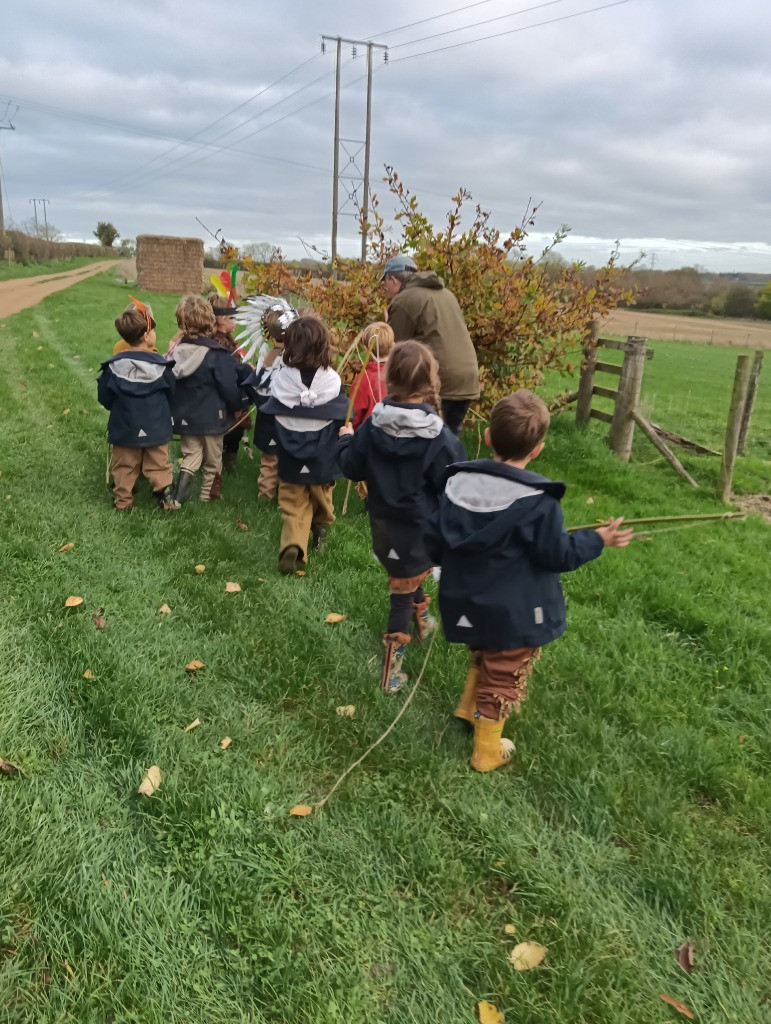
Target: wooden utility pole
[[752, 390], [350, 174], [738, 401]]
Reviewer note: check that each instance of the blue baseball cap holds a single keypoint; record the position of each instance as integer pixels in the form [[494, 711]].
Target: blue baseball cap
[[398, 263]]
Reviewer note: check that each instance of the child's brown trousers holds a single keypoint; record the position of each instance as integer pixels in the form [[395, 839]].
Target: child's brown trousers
[[267, 481], [303, 505], [128, 463], [502, 680], [206, 449]]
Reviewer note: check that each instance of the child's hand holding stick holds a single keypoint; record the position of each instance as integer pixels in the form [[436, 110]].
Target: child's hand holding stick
[[613, 536]]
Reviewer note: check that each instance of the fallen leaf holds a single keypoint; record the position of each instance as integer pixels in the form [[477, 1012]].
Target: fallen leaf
[[69, 969], [346, 710], [67, 547], [232, 588], [7, 768], [88, 674], [165, 609], [193, 666], [65, 412], [105, 881], [684, 956], [489, 1013], [742, 739], [99, 620], [241, 525], [510, 929], [151, 781], [334, 617], [300, 572], [680, 1007], [527, 955], [261, 580], [590, 501], [225, 743], [200, 568], [36, 335], [301, 811], [193, 725], [73, 602]]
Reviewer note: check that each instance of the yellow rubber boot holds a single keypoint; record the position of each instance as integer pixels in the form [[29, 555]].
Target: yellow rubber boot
[[467, 704], [491, 750]]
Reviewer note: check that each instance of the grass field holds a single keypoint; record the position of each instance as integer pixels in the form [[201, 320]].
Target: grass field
[[9, 271], [637, 814]]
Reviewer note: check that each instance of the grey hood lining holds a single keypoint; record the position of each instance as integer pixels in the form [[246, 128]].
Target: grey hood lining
[[138, 371], [397, 421], [478, 492], [187, 359]]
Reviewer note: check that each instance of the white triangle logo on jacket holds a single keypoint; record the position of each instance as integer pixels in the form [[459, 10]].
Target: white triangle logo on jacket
[[272, 443], [141, 433], [305, 470], [463, 621], [183, 423], [392, 555]]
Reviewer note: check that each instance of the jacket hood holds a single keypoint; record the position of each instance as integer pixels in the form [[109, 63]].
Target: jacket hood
[[189, 353], [424, 279], [401, 430], [486, 500], [133, 372], [289, 389]]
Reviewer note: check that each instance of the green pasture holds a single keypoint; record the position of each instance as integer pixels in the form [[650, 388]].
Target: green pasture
[[635, 817]]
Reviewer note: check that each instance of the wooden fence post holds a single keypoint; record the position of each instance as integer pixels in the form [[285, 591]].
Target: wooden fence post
[[629, 386], [752, 390], [586, 381], [738, 400]]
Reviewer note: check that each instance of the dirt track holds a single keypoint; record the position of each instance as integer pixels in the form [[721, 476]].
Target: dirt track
[[700, 330], [22, 292]]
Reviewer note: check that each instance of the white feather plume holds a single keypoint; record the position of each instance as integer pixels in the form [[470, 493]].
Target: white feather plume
[[250, 318]]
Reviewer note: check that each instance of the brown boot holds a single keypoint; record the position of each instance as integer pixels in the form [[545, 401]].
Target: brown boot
[[216, 487], [491, 750], [467, 704]]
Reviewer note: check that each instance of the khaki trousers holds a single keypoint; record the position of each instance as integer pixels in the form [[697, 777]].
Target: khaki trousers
[[267, 481], [128, 463], [303, 506], [206, 449], [502, 680]]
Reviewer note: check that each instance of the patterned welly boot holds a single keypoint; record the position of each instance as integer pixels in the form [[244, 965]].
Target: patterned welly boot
[[425, 624], [393, 678]]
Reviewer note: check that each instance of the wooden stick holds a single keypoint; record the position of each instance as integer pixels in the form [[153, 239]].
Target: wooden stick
[[660, 446], [238, 423], [347, 496], [666, 519], [752, 390], [348, 353], [360, 378], [684, 442]]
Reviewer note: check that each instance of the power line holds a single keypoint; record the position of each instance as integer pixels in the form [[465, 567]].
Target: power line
[[477, 24], [511, 31], [435, 17]]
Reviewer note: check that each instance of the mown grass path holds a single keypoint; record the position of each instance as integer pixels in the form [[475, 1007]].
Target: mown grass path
[[635, 816]]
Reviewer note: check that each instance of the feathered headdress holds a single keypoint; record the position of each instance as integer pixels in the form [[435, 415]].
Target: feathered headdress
[[225, 285], [251, 318]]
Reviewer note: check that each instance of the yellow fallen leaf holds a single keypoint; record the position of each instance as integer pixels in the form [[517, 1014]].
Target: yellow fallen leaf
[[193, 666], [527, 955], [73, 602], [67, 547], [225, 743], [193, 725], [680, 1007], [590, 501], [88, 674], [300, 572], [36, 335], [301, 811], [151, 781], [346, 710], [65, 412], [510, 929], [334, 617], [69, 969], [232, 588], [489, 1013], [261, 580], [200, 568], [165, 609]]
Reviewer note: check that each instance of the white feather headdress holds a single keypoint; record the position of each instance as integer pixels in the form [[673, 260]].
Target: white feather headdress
[[251, 318]]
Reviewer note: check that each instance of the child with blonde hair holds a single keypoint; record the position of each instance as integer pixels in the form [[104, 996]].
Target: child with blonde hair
[[402, 452], [370, 386], [207, 397]]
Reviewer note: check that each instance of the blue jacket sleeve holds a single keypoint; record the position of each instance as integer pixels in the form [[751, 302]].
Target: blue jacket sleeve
[[553, 548], [352, 453], [226, 379], [104, 392], [452, 450]]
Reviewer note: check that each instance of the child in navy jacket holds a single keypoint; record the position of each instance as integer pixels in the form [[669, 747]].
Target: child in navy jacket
[[501, 543], [207, 397], [309, 405], [402, 452], [136, 386]]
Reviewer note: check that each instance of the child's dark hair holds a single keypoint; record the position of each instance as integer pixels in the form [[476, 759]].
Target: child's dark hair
[[195, 316], [518, 423], [307, 345], [131, 325], [273, 324], [412, 372]]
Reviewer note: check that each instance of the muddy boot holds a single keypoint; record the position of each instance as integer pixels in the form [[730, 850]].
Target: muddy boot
[[216, 487], [425, 624], [467, 704], [166, 500], [491, 750], [319, 534], [395, 648], [184, 483], [289, 560]]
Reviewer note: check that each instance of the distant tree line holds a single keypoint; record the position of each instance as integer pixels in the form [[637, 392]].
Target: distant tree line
[[701, 293]]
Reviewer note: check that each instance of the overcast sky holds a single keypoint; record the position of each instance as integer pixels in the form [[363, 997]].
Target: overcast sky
[[645, 121]]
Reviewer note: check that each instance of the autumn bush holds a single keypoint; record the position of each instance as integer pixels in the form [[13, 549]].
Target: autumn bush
[[523, 317]]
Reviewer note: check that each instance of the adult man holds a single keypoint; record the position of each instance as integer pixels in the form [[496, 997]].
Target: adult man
[[421, 307]]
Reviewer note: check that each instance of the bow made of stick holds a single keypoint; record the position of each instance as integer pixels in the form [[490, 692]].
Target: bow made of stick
[[357, 383]]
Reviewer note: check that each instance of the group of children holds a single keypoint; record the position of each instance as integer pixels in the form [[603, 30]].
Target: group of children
[[492, 527]]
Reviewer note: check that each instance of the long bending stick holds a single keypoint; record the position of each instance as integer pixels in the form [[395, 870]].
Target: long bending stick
[[667, 519], [360, 378]]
